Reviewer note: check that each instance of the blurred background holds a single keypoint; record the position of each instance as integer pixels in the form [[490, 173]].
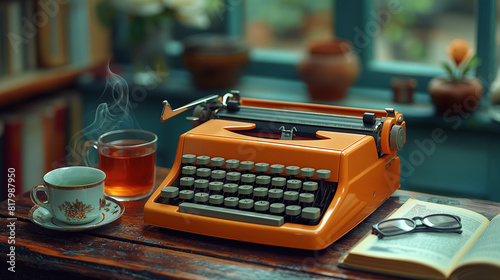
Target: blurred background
[[71, 70]]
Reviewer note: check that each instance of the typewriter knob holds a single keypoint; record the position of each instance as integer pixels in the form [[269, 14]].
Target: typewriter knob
[[397, 137]]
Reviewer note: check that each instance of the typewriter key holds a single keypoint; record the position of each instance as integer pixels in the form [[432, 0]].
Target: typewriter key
[[291, 171], [188, 159], [245, 191], [277, 169], [248, 179], [200, 185], [261, 206], [201, 197], [188, 170], [203, 173], [278, 182], [186, 182], [261, 167], [169, 194], [215, 187], [307, 172], [290, 197], [306, 199], [293, 185], [246, 165], [310, 213], [277, 208], [310, 186], [262, 181], [233, 177], [186, 195], [293, 213], [245, 204], [202, 160], [217, 162], [260, 193], [275, 195], [230, 189], [216, 200], [232, 164], [231, 202], [218, 175]]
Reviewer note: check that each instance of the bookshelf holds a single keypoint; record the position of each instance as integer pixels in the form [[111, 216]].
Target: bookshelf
[[45, 45], [26, 86]]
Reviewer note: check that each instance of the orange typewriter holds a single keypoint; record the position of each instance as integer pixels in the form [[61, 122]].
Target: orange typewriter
[[284, 174]]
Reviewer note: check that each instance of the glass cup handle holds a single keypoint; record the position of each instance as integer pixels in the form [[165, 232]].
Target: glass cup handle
[[34, 198], [86, 152]]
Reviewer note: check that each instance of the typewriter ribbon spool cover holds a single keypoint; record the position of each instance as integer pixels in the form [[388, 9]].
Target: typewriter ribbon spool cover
[[278, 173]]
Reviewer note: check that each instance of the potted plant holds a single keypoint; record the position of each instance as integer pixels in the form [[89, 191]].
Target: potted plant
[[457, 93]]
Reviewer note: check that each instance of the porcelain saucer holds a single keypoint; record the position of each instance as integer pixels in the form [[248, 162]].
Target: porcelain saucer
[[42, 217]]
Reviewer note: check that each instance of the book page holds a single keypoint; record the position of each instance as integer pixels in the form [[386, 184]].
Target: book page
[[435, 249], [486, 249]]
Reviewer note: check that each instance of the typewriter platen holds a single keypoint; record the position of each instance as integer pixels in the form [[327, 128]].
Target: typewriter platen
[[284, 174]]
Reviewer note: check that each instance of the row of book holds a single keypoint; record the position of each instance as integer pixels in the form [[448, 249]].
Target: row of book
[[38, 34], [37, 137]]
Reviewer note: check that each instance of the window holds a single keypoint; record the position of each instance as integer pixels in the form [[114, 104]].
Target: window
[[420, 31], [287, 25]]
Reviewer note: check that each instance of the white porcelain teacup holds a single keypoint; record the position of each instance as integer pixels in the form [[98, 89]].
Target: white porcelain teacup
[[75, 194]]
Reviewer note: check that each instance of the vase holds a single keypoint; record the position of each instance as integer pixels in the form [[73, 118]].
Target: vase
[[149, 58], [403, 89], [455, 97], [329, 69], [215, 61]]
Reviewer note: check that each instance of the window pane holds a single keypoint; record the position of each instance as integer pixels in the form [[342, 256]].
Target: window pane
[[420, 31], [287, 24]]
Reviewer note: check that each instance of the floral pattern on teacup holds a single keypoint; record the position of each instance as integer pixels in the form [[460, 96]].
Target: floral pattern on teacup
[[76, 210]]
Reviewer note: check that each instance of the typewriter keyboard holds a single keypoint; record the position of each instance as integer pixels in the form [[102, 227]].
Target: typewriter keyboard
[[261, 193]]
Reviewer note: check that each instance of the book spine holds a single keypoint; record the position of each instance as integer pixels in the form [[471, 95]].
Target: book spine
[[3, 42], [11, 152], [29, 31], [78, 33], [33, 156], [14, 41], [52, 48]]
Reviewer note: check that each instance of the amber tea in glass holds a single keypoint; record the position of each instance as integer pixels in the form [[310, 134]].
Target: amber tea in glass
[[128, 157]]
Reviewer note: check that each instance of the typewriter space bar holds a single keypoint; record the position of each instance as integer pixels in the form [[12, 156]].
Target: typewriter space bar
[[231, 214]]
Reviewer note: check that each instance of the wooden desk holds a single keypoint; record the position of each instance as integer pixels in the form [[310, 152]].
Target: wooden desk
[[130, 249]]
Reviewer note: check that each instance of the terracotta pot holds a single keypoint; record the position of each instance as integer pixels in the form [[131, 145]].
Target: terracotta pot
[[403, 89], [329, 69], [455, 97], [215, 62]]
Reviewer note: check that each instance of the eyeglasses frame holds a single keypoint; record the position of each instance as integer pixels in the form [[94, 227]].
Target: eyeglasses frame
[[418, 227]]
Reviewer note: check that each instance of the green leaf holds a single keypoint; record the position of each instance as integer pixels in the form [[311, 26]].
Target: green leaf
[[473, 63], [448, 68]]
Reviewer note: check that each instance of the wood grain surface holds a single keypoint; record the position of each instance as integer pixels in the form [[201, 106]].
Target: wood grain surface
[[130, 249]]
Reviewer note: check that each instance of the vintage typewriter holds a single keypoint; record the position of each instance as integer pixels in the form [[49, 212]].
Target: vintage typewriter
[[284, 174]]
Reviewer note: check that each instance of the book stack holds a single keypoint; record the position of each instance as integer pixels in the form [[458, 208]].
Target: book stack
[[40, 34], [36, 137]]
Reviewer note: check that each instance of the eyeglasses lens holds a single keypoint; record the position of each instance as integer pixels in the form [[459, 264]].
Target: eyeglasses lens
[[441, 222], [397, 226]]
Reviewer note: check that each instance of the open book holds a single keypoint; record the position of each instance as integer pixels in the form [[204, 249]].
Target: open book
[[472, 254]]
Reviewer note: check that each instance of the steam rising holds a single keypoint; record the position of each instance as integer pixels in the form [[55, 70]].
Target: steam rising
[[108, 117]]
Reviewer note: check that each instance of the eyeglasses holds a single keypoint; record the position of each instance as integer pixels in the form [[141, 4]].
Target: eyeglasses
[[435, 222]]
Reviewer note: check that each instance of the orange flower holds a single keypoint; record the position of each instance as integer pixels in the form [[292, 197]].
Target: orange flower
[[459, 51]]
